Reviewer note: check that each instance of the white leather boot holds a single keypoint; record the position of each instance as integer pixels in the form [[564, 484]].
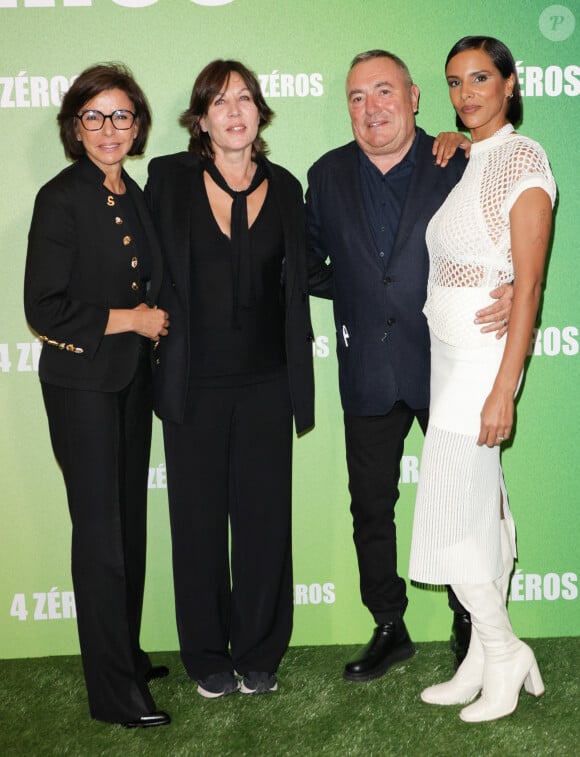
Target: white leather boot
[[468, 679], [508, 538], [508, 662]]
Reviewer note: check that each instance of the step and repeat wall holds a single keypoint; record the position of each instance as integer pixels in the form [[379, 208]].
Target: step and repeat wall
[[301, 50]]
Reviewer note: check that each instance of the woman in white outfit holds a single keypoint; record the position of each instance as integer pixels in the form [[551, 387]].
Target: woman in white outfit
[[493, 228]]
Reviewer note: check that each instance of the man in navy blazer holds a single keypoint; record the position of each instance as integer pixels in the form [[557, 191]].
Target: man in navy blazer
[[367, 208]]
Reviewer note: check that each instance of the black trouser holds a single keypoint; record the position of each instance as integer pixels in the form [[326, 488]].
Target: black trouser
[[374, 449], [101, 441], [232, 461]]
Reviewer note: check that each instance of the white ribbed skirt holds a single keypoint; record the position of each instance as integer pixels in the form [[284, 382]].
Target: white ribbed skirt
[[456, 528]]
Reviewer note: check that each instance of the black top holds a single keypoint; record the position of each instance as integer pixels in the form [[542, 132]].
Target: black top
[[170, 190], [384, 196], [223, 353]]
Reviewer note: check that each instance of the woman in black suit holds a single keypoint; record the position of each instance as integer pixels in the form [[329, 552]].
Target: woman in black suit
[[93, 273], [235, 369]]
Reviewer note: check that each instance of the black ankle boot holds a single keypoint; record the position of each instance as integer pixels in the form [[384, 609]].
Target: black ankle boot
[[390, 643]]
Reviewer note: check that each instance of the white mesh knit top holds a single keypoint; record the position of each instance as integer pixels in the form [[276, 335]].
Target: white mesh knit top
[[469, 236]]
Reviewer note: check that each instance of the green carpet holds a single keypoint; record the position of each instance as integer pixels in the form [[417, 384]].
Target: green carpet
[[43, 711]]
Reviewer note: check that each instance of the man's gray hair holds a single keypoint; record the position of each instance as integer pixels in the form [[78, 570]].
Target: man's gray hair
[[372, 54]]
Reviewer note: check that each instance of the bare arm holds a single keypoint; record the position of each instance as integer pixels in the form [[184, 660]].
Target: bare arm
[[148, 322], [530, 224]]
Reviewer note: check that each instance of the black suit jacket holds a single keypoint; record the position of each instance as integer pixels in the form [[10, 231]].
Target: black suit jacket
[[169, 196], [79, 264], [382, 335]]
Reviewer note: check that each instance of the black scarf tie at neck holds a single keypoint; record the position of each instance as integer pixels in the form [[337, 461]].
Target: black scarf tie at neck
[[242, 276]]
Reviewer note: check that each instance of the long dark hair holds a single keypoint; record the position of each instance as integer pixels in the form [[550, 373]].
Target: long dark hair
[[503, 60], [89, 84], [209, 83]]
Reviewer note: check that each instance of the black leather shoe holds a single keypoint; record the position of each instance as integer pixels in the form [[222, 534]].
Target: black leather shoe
[[460, 636], [389, 644], [156, 671], [149, 721]]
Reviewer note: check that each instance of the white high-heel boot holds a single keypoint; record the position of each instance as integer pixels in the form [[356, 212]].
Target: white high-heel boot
[[508, 662], [507, 532], [468, 679]]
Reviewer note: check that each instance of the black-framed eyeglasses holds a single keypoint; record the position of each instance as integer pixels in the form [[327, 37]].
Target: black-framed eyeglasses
[[93, 120]]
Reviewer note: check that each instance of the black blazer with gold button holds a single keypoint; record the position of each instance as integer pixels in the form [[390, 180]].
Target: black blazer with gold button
[[78, 266]]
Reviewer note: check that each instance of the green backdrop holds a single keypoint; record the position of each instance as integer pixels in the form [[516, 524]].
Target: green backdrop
[[301, 50]]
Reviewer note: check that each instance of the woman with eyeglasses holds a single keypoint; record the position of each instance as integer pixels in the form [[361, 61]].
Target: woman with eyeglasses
[[93, 272]]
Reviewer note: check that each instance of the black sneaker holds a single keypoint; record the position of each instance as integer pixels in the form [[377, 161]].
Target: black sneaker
[[258, 683], [218, 685]]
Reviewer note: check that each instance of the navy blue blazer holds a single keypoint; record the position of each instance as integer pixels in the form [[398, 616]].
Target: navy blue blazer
[[80, 263], [382, 339], [169, 195]]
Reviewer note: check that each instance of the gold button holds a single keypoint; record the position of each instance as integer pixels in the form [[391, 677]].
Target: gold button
[[134, 262], [118, 220], [134, 286], [126, 240]]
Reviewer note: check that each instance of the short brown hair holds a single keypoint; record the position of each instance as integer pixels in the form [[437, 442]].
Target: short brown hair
[[89, 84], [209, 83]]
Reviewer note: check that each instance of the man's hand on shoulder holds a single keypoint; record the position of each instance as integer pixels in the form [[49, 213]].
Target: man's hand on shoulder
[[446, 145], [495, 317]]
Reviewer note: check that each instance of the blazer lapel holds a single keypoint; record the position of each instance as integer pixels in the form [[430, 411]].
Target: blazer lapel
[[180, 200], [350, 186], [423, 194], [412, 205]]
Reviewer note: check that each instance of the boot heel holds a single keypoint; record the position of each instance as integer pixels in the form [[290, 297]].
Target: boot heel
[[533, 683]]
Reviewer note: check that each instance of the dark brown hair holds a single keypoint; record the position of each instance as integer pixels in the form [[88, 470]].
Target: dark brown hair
[[89, 84], [503, 60], [212, 80]]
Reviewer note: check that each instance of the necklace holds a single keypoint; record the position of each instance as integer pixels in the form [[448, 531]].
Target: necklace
[[248, 181], [239, 189]]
